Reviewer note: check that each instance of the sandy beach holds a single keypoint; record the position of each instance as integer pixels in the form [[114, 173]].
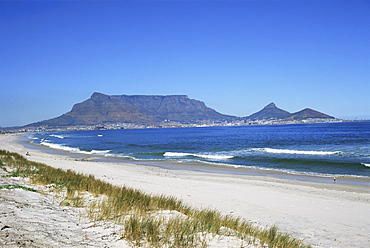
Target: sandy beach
[[323, 214]]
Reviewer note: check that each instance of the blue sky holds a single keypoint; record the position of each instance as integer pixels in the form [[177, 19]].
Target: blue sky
[[236, 56]]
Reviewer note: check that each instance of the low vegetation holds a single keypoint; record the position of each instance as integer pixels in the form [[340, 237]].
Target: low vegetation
[[17, 187], [147, 220]]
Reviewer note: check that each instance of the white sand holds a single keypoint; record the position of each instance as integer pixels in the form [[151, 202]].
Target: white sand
[[30, 219], [325, 215]]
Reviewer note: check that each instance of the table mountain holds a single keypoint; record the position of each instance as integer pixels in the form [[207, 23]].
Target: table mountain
[[143, 109], [154, 109]]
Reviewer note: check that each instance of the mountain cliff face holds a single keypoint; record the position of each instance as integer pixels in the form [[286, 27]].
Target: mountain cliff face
[[142, 109]]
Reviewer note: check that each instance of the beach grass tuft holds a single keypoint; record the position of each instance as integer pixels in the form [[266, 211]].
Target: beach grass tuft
[[17, 187], [147, 220]]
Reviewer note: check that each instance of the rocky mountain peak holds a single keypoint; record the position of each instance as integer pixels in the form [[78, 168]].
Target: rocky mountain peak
[[96, 96], [268, 112], [271, 105]]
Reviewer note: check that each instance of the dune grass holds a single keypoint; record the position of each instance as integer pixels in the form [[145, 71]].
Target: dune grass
[[140, 213], [17, 187]]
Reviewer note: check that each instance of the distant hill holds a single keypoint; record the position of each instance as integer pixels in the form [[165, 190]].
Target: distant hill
[[268, 112], [143, 109], [273, 112], [309, 113]]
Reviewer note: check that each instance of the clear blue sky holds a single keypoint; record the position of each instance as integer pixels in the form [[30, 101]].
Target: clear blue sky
[[236, 56]]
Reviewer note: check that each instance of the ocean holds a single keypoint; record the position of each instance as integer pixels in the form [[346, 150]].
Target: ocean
[[326, 149]]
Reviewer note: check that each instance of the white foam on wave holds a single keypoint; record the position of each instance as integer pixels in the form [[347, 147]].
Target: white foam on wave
[[218, 157], [97, 152], [73, 150], [206, 156], [287, 151], [57, 136], [367, 165], [59, 147], [176, 154]]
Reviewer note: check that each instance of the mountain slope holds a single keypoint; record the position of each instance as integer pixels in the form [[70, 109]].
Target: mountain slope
[[309, 113], [273, 112], [101, 108], [268, 112], [154, 109]]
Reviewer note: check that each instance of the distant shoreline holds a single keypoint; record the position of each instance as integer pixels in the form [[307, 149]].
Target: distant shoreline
[[115, 126]]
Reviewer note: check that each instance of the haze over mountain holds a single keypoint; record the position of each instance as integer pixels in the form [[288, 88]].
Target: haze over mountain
[[154, 109]]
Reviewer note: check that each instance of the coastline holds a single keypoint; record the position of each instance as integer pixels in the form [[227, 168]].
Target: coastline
[[324, 214], [207, 167]]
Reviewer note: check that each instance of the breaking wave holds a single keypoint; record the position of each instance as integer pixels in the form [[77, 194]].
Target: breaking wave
[[367, 165], [57, 136], [74, 150], [287, 151]]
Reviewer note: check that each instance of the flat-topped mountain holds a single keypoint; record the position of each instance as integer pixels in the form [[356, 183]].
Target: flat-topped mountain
[[143, 109], [273, 112], [102, 109]]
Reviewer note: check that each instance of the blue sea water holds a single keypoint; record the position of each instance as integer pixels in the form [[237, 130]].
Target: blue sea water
[[324, 149]]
